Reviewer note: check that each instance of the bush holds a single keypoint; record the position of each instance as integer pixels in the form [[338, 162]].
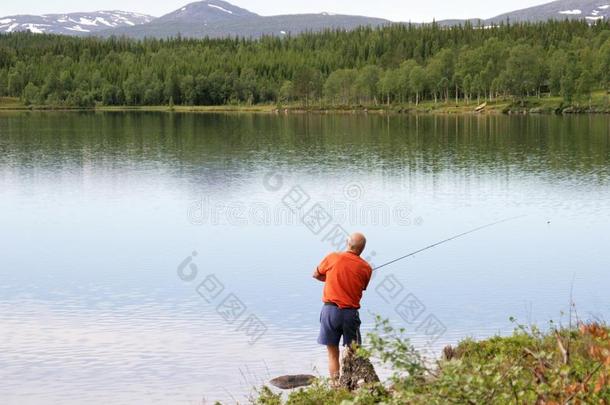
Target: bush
[[558, 366], [31, 94]]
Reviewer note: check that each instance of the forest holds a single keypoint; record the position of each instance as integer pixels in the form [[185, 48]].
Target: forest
[[395, 64]]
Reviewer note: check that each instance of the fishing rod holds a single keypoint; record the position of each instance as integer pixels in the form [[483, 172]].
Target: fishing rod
[[447, 240]]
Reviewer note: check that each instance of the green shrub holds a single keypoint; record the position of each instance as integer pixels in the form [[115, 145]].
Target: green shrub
[[558, 366]]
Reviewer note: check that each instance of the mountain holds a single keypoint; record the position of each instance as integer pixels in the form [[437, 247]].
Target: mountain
[[72, 23], [590, 10], [206, 12], [217, 18]]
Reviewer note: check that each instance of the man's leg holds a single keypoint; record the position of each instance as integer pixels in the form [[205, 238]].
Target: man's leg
[[330, 336], [333, 362], [351, 328]]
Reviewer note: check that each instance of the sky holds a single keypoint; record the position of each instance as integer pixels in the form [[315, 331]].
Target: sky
[[395, 10]]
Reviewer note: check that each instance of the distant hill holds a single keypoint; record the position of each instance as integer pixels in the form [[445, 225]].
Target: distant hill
[[73, 23], [218, 18], [590, 10]]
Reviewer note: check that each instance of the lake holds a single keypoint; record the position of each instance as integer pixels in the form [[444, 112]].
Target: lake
[[167, 258]]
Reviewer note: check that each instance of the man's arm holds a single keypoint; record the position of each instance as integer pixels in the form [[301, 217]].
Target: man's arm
[[323, 268], [368, 278], [318, 276]]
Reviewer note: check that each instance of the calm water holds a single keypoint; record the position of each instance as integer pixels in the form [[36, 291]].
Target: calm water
[[98, 211]]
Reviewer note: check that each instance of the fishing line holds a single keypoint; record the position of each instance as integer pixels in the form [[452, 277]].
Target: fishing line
[[448, 239]]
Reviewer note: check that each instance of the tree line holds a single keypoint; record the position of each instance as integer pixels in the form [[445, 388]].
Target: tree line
[[368, 66]]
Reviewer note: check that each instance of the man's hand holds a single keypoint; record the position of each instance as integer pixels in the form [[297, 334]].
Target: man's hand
[[318, 276]]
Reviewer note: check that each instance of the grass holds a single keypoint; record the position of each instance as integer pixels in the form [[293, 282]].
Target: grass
[[11, 103], [600, 101], [15, 104], [258, 108]]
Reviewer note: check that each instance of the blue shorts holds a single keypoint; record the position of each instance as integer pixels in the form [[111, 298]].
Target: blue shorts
[[336, 322]]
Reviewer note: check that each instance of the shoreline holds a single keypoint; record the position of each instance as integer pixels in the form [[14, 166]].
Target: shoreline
[[548, 106]]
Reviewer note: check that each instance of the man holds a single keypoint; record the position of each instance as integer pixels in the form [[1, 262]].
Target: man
[[345, 276]]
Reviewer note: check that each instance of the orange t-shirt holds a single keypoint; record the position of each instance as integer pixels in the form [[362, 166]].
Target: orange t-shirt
[[347, 275]]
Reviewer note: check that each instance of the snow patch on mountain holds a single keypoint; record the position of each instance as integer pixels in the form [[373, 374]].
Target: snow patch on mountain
[[86, 21], [103, 21], [77, 28], [35, 28], [220, 8], [571, 12]]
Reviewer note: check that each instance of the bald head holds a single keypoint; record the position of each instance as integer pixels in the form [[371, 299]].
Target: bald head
[[356, 243]]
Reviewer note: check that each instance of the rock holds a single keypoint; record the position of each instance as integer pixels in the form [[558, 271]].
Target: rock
[[572, 110], [449, 353], [481, 107], [288, 382], [356, 371]]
